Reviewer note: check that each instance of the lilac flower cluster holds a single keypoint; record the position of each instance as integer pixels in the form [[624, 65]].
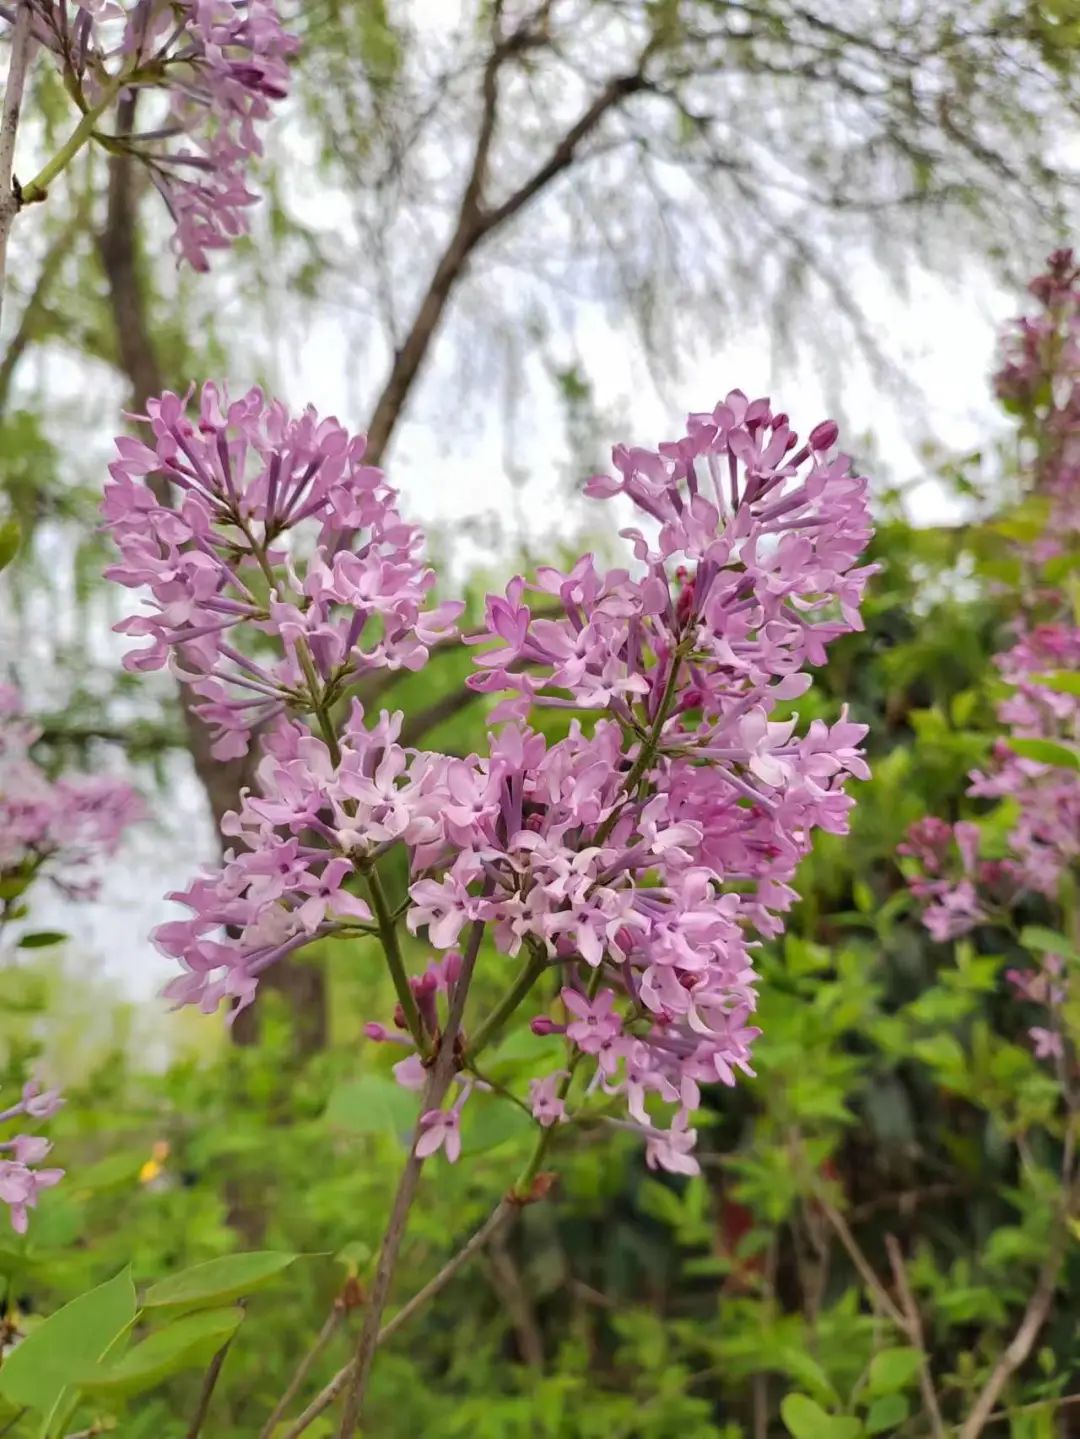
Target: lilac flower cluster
[[218, 67], [959, 889], [57, 828], [280, 531], [20, 1181], [61, 827], [637, 857], [1045, 838], [1037, 380]]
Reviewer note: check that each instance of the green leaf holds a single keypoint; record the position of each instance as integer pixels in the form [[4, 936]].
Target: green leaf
[[373, 1105], [10, 538], [1046, 751], [41, 938], [660, 1202], [807, 1420], [804, 1369], [1066, 682], [886, 1413], [65, 1345], [217, 1281], [489, 1122], [522, 1049], [893, 1369], [1046, 941], [187, 1343]]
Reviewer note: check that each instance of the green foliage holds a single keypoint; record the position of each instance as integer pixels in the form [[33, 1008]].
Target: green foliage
[[895, 1087], [42, 1372], [216, 1282]]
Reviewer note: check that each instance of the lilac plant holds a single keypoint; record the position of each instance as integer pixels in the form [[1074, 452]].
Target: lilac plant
[[21, 1175], [211, 72], [639, 857], [61, 830], [636, 861], [1034, 766]]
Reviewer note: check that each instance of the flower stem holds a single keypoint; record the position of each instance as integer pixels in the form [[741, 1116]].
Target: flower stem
[[442, 1071], [22, 46], [649, 745], [491, 1027], [37, 188], [394, 960], [522, 1190], [500, 1215]]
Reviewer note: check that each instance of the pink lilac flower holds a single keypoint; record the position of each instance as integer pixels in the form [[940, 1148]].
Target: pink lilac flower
[[217, 68], [1045, 838], [1040, 381], [281, 530], [547, 1105], [441, 1129], [62, 827], [642, 855], [593, 1023], [1047, 1043], [20, 1180]]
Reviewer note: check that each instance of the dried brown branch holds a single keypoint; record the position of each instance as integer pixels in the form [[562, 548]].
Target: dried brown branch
[[21, 53], [303, 1369], [206, 1393], [499, 1216], [1042, 1297], [514, 1298], [878, 1293], [916, 1335], [441, 1074], [476, 222]]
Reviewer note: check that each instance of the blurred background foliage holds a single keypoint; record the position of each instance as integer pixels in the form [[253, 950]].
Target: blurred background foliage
[[747, 159]]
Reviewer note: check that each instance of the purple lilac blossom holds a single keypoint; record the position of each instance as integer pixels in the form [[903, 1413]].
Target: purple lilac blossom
[[643, 855], [217, 69], [60, 827], [1039, 379], [21, 1181]]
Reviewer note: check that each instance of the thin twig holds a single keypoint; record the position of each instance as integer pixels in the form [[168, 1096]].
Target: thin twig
[[303, 1369], [1033, 1408], [22, 46], [514, 1298], [915, 1334], [876, 1289], [1038, 1306], [210, 1379], [442, 1071], [499, 1215]]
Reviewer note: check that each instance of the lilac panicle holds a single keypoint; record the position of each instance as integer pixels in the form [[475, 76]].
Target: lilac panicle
[[61, 828], [216, 68], [21, 1178], [1039, 380], [279, 529], [642, 856]]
